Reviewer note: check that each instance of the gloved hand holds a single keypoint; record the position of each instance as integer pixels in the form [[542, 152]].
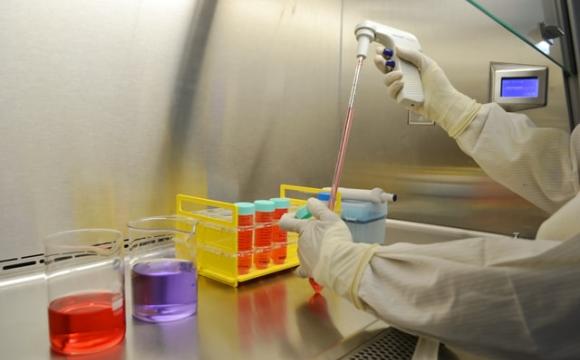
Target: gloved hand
[[327, 252], [313, 232], [449, 108]]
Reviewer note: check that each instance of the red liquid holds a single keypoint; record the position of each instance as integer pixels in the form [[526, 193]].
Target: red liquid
[[263, 240], [317, 304], [315, 286], [279, 239], [345, 135], [245, 243], [86, 323]]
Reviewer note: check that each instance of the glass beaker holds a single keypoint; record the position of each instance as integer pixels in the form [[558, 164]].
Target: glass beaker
[[163, 272], [84, 273]]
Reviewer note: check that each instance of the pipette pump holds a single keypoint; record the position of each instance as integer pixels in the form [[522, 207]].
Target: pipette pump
[[368, 31]]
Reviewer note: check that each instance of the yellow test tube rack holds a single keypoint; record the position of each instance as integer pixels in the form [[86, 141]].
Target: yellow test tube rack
[[216, 235]]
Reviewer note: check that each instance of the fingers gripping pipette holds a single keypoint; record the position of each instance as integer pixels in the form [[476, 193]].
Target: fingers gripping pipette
[[368, 31]]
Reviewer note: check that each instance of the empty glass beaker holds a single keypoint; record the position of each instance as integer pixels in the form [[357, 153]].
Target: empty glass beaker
[[84, 272], [163, 272]]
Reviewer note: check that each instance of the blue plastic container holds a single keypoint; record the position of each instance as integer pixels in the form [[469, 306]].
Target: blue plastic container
[[365, 220]]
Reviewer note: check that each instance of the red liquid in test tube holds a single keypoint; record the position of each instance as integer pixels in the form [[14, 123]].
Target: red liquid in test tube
[[246, 213], [279, 236], [263, 233]]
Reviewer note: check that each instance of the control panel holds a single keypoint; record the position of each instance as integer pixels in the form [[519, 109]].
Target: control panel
[[518, 87]]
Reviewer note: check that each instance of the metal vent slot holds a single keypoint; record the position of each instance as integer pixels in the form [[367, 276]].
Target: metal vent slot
[[18, 265], [29, 263], [389, 344], [32, 256], [23, 264]]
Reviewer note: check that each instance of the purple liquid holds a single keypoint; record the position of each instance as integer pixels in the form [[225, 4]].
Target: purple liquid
[[164, 289]]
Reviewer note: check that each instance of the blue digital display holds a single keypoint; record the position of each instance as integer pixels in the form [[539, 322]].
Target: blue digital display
[[520, 87]]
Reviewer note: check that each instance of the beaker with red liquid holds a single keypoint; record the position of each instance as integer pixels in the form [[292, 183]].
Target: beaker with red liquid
[[263, 232], [279, 236], [84, 272], [246, 212]]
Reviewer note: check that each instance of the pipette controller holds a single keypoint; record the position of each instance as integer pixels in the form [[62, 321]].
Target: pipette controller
[[411, 95]]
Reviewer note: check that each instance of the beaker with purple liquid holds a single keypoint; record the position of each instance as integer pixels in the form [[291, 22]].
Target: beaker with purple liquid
[[162, 268]]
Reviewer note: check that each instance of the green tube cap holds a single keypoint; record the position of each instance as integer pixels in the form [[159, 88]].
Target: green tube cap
[[303, 213]]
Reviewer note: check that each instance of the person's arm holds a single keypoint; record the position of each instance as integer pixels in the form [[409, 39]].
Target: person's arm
[[536, 163], [497, 297], [516, 299]]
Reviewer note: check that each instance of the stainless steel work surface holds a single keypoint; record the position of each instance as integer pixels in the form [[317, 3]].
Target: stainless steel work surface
[[273, 318], [277, 317]]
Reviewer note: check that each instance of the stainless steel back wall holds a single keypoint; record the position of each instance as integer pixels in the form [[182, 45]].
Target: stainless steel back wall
[[437, 183], [109, 108], [267, 113], [85, 105]]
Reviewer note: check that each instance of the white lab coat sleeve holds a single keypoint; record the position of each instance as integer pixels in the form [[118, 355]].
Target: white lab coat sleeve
[[539, 164], [497, 297]]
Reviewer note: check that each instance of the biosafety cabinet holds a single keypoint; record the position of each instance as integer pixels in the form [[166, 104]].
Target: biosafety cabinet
[[109, 109]]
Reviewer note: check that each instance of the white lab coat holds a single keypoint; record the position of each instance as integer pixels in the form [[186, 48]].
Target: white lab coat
[[494, 297]]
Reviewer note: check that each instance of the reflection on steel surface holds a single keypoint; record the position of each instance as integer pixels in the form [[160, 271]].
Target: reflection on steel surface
[[273, 318], [460, 197], [263, 317], [314, 320]]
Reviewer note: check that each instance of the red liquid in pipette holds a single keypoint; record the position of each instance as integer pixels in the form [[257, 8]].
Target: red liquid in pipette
[[342, 148], [345, 135]]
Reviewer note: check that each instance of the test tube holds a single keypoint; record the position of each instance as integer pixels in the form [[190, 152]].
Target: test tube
[[246, 212], [279, 236], [263, 232]]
